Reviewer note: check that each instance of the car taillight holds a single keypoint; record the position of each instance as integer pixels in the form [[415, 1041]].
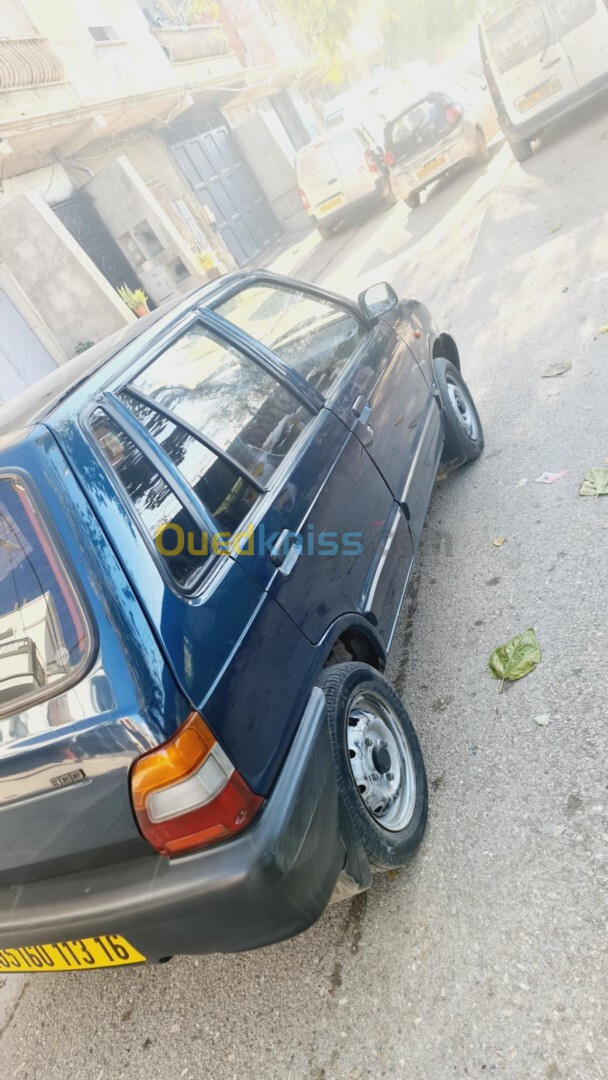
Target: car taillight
[[389, 157], [305, 201], [453, 114], [187, 793], [371, 161]]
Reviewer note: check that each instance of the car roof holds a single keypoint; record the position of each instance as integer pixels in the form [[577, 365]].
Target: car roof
[[38, 401]]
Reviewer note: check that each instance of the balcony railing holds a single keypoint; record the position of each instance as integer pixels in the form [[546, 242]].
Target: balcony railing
[[28, 62], [184, 44]]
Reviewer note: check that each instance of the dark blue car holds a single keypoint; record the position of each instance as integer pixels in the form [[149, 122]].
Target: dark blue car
[[207, 527]]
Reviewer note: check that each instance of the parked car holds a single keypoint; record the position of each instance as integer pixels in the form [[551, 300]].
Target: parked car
[[445, 126], [543, 58], [339, 174], [207, 527]]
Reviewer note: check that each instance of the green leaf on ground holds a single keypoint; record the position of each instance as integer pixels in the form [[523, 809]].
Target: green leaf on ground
[[595, 483], [603, 330], [516, 659]]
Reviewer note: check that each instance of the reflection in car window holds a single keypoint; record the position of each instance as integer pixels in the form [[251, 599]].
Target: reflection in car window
[[516, 32], [315, 337], [224, 492], [155, 503], [570, 14], [228, 398], [43, 637]]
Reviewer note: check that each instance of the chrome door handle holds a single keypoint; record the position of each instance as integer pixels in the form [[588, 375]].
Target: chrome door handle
[[362, 409], [286, 552]]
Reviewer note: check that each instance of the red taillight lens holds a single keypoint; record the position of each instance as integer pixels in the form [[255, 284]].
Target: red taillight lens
[[187, 793], [453, 114], [371, 161], [305, 202], [389, 157]]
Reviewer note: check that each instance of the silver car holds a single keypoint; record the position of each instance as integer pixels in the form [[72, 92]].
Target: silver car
[[341, 172], [438, 131]]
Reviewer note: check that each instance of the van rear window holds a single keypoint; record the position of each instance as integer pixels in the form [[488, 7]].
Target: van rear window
[[44, 641]]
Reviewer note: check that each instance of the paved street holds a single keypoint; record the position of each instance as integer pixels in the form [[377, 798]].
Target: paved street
[[488, 956]]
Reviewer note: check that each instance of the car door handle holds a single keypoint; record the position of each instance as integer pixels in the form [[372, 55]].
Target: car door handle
[[362, 409], [286, 552]]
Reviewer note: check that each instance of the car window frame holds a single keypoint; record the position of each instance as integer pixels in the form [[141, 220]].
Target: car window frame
[[75, 588], [315, 293], [108, 400]]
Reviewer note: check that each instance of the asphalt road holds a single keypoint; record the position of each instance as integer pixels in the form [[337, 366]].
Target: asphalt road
[[488, 955]]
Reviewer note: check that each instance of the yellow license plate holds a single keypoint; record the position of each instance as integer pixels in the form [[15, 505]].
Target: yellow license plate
[[331, 205], [107, 951], [432, 166], [546, 90]]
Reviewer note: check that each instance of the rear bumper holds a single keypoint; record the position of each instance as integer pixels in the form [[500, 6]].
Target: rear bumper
[[532, 127], [273, 881], [405, 178]]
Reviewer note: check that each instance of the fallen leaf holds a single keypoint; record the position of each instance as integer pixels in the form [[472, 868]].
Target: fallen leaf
[[500, 541], [521, 483], [556, 369], [516, 659], [551, 477], [595, 483], [552, 232], [543, 721], [603, 330]]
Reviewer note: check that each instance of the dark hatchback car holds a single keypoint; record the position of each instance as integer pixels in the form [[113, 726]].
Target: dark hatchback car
[[207, 527]]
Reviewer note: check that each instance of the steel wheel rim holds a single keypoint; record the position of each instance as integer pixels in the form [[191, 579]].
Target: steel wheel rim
[[463, 408], [381, 761]]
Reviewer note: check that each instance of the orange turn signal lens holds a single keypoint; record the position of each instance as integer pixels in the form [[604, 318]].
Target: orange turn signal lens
[[187, 793]]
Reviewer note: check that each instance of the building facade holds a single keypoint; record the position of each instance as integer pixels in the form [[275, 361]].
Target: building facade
[[139, 145]]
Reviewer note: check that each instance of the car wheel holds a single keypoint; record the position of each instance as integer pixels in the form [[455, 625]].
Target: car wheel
[[522, 151], [482, 153], [463, 431], [379, 765], [413, 200], [390, 199], [325, 231]]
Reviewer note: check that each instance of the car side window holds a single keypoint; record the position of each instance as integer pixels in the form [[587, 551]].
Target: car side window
[[230, 400], [315, 337]]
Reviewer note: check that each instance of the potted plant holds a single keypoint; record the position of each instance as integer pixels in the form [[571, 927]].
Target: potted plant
[[135, 299]]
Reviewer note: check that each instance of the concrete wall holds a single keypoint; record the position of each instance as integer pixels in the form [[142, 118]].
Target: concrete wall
[[132, 64], [272, 169], [154, 163], [72, 297], [51, 182], [162, 261]]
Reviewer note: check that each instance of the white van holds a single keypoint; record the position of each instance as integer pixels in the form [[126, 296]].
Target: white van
[[542, 59], [339, 173]]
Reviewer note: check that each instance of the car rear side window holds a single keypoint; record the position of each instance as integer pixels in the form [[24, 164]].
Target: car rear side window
[[44, 638], [315, 337], [155, 503], [229, 399]]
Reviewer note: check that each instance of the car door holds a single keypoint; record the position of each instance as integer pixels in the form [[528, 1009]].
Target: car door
[[333, 501], [528, 58], [583, 28]]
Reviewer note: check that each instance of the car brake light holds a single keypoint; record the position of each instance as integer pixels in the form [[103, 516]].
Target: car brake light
[[453, 114], [187, 793], [305, 201], [389, 157], [371, 161]]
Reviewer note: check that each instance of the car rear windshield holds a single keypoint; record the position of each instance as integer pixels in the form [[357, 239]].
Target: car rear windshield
[[516, 32], [419, 127], [44, 641]]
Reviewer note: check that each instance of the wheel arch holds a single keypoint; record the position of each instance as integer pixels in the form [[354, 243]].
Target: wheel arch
[[354, 641], [445, 346]]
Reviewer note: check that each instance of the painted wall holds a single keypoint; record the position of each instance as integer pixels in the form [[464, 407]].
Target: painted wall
[[72, 297]]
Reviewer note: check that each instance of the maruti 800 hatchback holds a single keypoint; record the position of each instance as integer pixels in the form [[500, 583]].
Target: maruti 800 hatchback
[[207, 527]]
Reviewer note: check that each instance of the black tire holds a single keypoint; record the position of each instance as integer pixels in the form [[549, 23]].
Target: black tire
[[482, 153], [413, 200], [522, 151], [352, 691], [390, 199], [464, 439], [324, 231]]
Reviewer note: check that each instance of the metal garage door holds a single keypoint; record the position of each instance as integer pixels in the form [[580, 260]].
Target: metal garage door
[[209, 157], [23, 360]]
